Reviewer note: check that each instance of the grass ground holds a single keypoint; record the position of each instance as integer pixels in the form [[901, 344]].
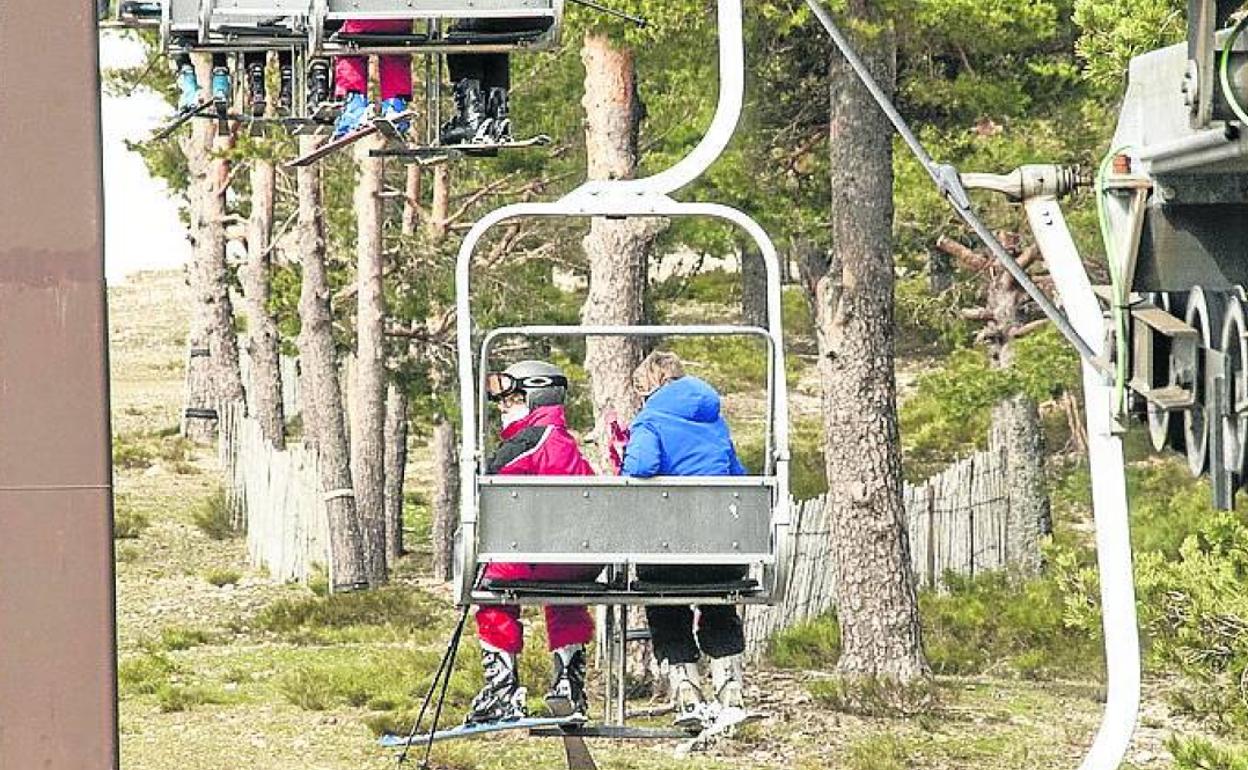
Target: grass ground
[[221, 668]]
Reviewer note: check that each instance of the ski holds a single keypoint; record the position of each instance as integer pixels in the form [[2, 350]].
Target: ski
[[329, 148], [471, 731], [181, 117], [438, 153]]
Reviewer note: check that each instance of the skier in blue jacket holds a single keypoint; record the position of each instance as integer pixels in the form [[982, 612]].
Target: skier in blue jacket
[[680, 432]]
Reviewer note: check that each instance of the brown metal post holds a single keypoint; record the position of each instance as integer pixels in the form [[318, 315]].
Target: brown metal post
[[57, 642]]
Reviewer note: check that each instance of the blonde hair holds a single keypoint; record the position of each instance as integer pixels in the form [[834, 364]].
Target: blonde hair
[[656, 370]]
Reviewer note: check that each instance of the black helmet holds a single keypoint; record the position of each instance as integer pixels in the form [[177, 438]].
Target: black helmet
[[541, 383]]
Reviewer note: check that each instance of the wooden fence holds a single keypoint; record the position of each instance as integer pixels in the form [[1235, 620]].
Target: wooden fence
[[276, 494], [958, 521]]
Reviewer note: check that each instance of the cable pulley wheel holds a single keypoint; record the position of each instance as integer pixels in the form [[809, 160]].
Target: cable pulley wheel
[[1206, 311]]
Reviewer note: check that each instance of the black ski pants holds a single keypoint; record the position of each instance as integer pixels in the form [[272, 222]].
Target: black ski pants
[[719, 631], [491, 70]]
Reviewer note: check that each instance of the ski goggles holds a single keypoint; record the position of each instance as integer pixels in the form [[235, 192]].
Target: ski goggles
[[500, 385]]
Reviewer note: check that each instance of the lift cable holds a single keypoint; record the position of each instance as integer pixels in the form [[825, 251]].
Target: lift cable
[[949, 182]]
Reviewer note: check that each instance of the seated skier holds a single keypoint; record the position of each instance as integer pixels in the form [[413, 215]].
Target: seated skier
[[680, 432], [188, 81], [481, 85], [535, 441], [254, 62], [351, 79]]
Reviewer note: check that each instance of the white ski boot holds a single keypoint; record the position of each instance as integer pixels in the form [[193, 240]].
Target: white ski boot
[[502, 699], [685, 687]]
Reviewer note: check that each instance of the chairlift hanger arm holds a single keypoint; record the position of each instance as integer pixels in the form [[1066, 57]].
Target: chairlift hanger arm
[[949, 182]]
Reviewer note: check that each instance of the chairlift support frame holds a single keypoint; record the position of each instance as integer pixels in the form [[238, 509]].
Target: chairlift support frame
[[646, 197]]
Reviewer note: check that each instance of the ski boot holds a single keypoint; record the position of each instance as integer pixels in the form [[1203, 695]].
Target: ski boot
[[500, 116], [502, 699], [221, 88], [354, 111], [286, 89], [318, 86], [567, 690], [726, 675], [396, 105], [188, 87], [470, 122], [686, 692], [256, 88]]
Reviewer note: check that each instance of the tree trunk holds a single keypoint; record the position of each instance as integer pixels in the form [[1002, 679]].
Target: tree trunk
[[263, 348], [322, 408], [618, 249], [875, 594], [1018, 433], [445, 503], [440, 206], [753, 287], [368, 429], [212, 372], [413, 189], [396, 468]]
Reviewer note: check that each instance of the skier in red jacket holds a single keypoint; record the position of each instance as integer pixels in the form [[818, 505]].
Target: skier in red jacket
[[536, 442]]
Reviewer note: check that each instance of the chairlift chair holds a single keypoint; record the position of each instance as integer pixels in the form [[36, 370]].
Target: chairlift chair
[[434, 28]]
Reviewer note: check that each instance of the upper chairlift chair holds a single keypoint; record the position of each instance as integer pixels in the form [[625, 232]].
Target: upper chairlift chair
[[539, 24]]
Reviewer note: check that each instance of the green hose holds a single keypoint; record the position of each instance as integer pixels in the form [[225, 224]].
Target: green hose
[[1224, 71]]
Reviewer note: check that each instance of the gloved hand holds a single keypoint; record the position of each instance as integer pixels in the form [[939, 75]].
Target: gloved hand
[[617, 440]]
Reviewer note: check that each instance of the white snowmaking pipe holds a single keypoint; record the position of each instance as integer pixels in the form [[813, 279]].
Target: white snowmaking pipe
[[721, 130], [1109, 492]]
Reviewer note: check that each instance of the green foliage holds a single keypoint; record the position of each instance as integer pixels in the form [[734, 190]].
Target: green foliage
[[176, 638], [223, 576], [878, 752], [128, 522], [807, 470], [379, 680], [180, 697], [131, 454], [214, 517], [993, 623], [341, 616], [813, 645], [146, 674], [1202, 754], [951, 411], [1113, 31]]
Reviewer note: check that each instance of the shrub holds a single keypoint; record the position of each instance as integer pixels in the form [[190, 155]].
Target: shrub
[[214, 517], [145, 675], [176, 638], [223, 577], [177, 697], [813, 645], [128, 523], [128, 453], [309, 618], [990, 622], [1202, 754]]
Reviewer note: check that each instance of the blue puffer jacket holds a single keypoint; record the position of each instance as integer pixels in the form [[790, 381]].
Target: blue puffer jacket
[[680, 432]]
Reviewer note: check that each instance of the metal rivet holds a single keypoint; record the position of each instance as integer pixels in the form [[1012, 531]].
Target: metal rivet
[[514, 495], [736, 546], [665, 545], [513, 545], [736, 495], [665, 495], [585, 494], [584, 543]]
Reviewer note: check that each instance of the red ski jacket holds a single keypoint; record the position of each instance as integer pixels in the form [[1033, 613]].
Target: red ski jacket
[[539, 445]]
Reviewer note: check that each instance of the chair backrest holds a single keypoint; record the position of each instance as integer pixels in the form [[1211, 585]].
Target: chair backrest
[[619, 520]]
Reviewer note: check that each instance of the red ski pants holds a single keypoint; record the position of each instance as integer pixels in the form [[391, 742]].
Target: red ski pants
[[351, 72], [499, 626]]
